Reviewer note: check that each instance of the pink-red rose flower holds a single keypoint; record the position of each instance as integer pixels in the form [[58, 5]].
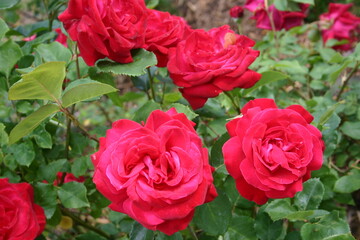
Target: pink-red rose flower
[[207, 63], [61, 38], [272, 151], [281, 19], [236, 12], [20, 217], [163, 32], [106, 28], [338, 23], [157, 173]]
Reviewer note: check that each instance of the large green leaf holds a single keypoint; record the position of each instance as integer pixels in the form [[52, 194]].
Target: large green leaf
[[329, 227], [3, 28], [279, 209], [23, 153], [31, 122], [73, 195], [348, 184], [45, 82], [85, 91], [216, 156], [214, 217], [4, 4], [10, 53], [45, 196], [266, 78], [265, 228], [54, 51], [305, 1], [144, 111], [351, 129], [4, 138], [311, 196], [49, 172], [241, 228], [138, 232], [142, 60], [180, 108]]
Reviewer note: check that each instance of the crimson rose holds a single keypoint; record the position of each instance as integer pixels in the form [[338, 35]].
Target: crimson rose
[[208, 63], [281, 19], [163, 32], [272, 151], [157, 173], [106, 28], [236, 12], [20, 217], [340, 24]]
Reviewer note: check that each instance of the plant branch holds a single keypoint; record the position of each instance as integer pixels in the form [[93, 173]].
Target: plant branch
[[347, 80], [192, 232], [236, 106], [83, 223], [151, 80]]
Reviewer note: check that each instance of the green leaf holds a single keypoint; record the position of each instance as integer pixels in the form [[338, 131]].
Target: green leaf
[[281, 5], [10, 53], [163, 236], [142, 60], [347, 236], [45, 82], [279, 209], [45, 196], [23, 153], [328, 114], [48, 172], [241, 228], [180, 108], [348, 184], [53, 52], [351, 129], [305, 1], [138, 232], [266, 229], [266, 78], [4, 4], [338, 70], [144, 111], [330, 55], [85, 91], [306, 215], [90, 235], [311, 195], [42, 137], [152, 3], [328, 227], [3, 28], [293, 67], [73, 195], [214, 217], [80, 166], [28, 124], [4, 139], [216, 156]]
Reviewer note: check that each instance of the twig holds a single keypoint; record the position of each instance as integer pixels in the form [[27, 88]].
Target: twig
[[151, 80], [236, 106], [347, 80]]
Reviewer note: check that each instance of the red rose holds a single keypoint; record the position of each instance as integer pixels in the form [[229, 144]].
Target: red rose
[[208, 63], [61, 38], [282, 19], [237, 12], [157, 173], [106, 28], [340, 24], [69, 177], [163, 32], [272, 151], [20, 217]]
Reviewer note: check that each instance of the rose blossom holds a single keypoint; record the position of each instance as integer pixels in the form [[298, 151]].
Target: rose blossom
[[272, 151], [338, 23], [163, 32], [237, 12], [20, 217], [281, 19], [208, 63], [157, 173], [106, 28]]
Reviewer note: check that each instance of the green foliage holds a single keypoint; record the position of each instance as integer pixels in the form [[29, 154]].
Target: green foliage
[[4, 4], [10, 53], [73, 195]]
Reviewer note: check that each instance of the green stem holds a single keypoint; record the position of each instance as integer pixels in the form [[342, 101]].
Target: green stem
[[272, 23], [151, 80], [236, 106], [192, 232], [79, 221], [347, 80]]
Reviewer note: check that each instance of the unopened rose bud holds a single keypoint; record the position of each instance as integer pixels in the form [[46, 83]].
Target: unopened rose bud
[[237, 12]]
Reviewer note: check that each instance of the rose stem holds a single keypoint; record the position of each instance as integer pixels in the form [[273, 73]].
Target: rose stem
[[236, 106], [83, 223], [192, 232], [151, 80], [347, 80], [272, 24]]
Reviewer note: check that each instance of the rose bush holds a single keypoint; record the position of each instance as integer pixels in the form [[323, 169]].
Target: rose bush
[[340, 24], [157, 173], [109, 28], [20, 217], [207, 63], [272, 151], [281, 19], [164, 31]]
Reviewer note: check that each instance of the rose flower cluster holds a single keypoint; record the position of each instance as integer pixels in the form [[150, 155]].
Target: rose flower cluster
[[158, 172]]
